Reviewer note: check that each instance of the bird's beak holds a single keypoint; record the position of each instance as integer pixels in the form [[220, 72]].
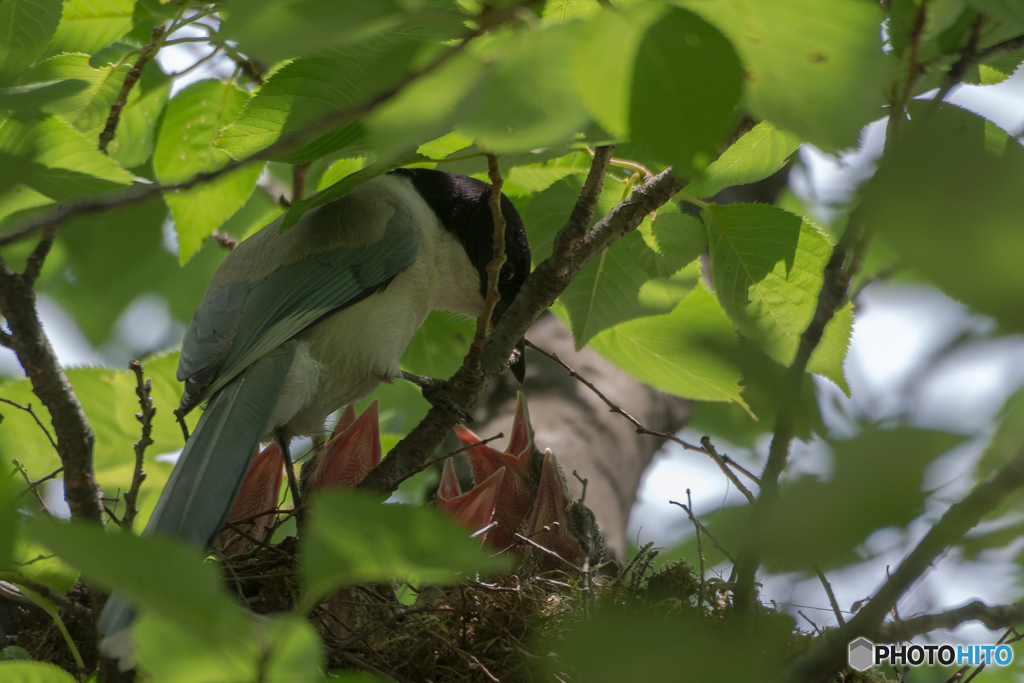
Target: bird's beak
[[518, 365]]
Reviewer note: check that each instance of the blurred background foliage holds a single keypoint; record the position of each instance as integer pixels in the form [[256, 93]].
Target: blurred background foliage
[[705, 301]]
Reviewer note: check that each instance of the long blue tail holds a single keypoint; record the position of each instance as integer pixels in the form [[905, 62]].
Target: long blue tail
[[205, 482]]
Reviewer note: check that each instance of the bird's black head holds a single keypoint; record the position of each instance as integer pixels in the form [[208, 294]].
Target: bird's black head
[[460, 203]]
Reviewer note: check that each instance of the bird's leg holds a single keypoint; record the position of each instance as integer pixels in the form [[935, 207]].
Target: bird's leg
[[289, 466], [436, 393]]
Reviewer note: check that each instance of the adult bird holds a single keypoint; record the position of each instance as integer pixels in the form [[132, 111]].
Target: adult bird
[[297, 324]]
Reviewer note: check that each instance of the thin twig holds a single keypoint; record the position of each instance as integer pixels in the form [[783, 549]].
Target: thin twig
[[34, 488], [707, 449], [143, 388], [969, 58], [147, 53], [28, 409], [703, 528], [700, 547], [829, 653], [831, 596], [498, 258], [430, 463], [548, 551]]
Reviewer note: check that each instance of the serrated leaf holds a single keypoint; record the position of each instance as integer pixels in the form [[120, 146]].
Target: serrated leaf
[[950, 170], [817, 70], [687, 81], [617, 286], [759, 153], [308, 90], [185, 148], [352, 538], [669, 352], [89, 109], [89, 25], [34, 672], [26, 27], [521, 101], [438, 347], [767, 265]]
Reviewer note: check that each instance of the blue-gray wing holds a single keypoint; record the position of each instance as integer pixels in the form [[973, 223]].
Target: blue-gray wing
[[239, 323]]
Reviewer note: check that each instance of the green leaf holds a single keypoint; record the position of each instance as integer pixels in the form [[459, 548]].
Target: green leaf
[[155, 572], [109, 400], [604, 77], [878, 473], [438, 347], [34, 672], [817, 70], [950, 172], [353, 538], [764, 386], [340, 169], [26, 27], [89, 25], [86, 110], [998, 70], [136, 130], [767, 265], [562, 11], [547, 213], [281, 649], [687, 81], [423, 111], [184, 148], [616, 286], [308, 90], [338, 189], [38, 563], [1007, 11], [61, 162], [759, 153], [31, 98], [669, 352], [14, 653], [522, 101], [280, 29]]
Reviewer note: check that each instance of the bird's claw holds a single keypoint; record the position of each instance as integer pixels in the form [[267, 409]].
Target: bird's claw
[[436, 393]]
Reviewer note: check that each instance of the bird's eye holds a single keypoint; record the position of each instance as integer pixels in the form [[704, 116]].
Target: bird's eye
[[508, 275]]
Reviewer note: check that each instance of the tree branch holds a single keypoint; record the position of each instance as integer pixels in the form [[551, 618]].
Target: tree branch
[[994, 618], [829, 653], [539, 291], [74, 437], [142, 390], [148, 52], [844, 262]]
